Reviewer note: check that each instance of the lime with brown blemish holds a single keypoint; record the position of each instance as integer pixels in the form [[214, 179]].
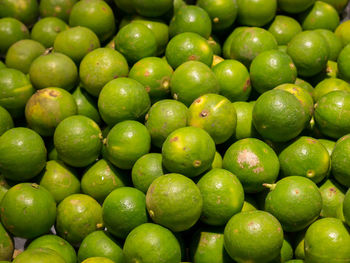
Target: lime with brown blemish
[[174, 201], [332, 199], [284, 28], [295, 201], [11, 31], [155, 74], [39, 255], [25, 11], [256, 12], [7, 244], [254, 236], [328, 85], [77, 216], [346, 207], [188, 46], [340, 161], [101, 66], [98, 260], [270, 69], [189, 151], [19, 210], [56, 8], [215, 114], [334, 43], [47, 108], [59, 180], [253, 162], [6, 121]]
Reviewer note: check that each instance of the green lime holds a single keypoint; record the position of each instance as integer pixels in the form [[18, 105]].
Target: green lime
[[39, 255], [328, 85], [305, 85], [174, 201], [346, 207], [7, 245], [295, 6], [11, 31], [98, 260], [284, 28], [215, 45], [332, 199], [56, 8], [217, 162], [342, 31], [340, 161], [150, 8], [343, 63], [256, 12], [334, 43], [339, 5], [25, 11], [249, 204], [6, 121], [244, 127]]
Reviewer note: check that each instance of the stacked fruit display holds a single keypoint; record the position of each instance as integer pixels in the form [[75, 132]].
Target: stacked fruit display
[[147, 131]]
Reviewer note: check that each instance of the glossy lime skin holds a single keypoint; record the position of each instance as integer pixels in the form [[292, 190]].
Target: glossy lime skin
[[188, 46], [244, 127], [191, 80], [339, 5], [328, 85], [154, 73], [6, 121], [59, 180], [342, 32], [126, 142], [144, 43], [150, 8], [343, 63], [22, 154], [77, 140], [223, 196], [19, 210], [123, 99], [189, 151], [248, 42], [76, 42], [256, 12], [190, 18], [331, 114], [254, 236], [53, 70], [100, 244], [174, 201], [284, 28], [270, 69], [346, 207], [320, 16], [215, 114], [323, 240], [98, 260], [305, 85], [7, 244], [145, 170], [47, 108], [101, 66], [101, 179], [222, 13], [309, 52], [11, 31], [77, 216], [226, 48], [46, 29], [25, 11], [339, 161], [164, 117], [39, 255], [22, 53], [332, 199], [150, 243], [56, 8], [16, 90], [96, 15], [294, 6], [295, 201], [334, 43], [56, 243], [123, 210], [253, 162], [86, 105], [234, 80]]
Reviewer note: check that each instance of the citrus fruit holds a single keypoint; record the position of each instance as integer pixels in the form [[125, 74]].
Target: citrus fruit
[[7, 244], [6, 121], [151, 9], [188, 46], [26, 11], [284, 28], [342, 31], [346, 207], [19, 210], [328, 85], [56, 8], [191, 80], [279, 116], [47, 108], [53, 70], [321, 246], [332, 199], [234, 80], [270, 69], [244, 127], [56, 243], [76, 42], [222, 194], [46, 29], [340, 160], [174, 201], [190, 18], [101, 179], [39, 255], [154, 73], [77, 216], [253, 162], [11, 31], [254, 236], [215, 45], [163, 118], [226, 48], [59, 180], [331, 113], [256, 12], [295, 201], [343, 64], [150, 243], [286, 252], [145, 170], [2, 65], [294, 6], [123, 99], [22, 53], [334, 43], [217, 162], [189, 151], [100, 244], [22, 154], [339, 5], [98, 260], [305, 85]]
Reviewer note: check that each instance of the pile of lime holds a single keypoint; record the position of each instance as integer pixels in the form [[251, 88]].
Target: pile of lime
[[168, 131]]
